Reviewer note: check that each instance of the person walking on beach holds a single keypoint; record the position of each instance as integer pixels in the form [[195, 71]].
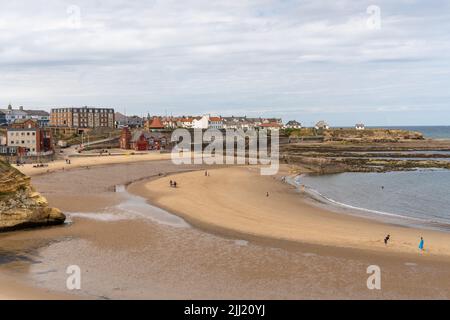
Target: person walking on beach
[[387, 239], [171, 183], [206, 173], [421, 243], [174, 184], [267, 194]]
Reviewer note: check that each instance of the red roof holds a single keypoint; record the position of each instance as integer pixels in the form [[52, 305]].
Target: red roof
[[156, 124], [215, 119]]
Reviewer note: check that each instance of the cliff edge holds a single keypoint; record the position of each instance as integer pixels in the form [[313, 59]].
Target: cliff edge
[[20, 205]]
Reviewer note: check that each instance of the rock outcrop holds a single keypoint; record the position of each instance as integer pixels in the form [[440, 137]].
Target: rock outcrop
[[20, 205], [371, 135]]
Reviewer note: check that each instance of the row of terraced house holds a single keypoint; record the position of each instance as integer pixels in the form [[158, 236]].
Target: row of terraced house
[[202, 122]]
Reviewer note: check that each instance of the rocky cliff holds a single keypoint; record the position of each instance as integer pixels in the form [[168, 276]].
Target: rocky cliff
[[20, 205]]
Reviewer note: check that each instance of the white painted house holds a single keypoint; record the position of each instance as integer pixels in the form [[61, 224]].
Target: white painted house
[[201, 123], [293, 124], [207, 122], [215, 123], [322, 125], [360, 126]]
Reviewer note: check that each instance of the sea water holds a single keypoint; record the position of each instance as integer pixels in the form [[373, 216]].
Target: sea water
[[422, 195], [432, 132]]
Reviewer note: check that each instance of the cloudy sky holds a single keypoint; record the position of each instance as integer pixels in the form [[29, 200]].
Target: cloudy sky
[[296, 59]]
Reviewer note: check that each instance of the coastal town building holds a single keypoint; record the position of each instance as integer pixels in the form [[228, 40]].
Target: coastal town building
[[360, 126], [122, 120], [9, 115], [85, 117], [40, 116], [202, 123], [8, 151], [154, 124], [215, 123], [3, 140], [27, 134], [2, 118], [12, 115], [293, 124], [170, 122], [143, 140], [125, 138], [186, 122], [273, 126], [158, 141], [139, 141], [206, 122], [322, 125], [272, 120], [234, 122], [246, 123]]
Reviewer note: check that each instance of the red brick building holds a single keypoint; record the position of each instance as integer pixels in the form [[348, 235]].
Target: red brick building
[[139, 141], [28, 136], [155, 124], [125, 138], [142, 140]]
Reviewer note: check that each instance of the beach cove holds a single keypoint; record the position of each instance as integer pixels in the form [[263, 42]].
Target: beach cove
[[235, 199], [241, 245]]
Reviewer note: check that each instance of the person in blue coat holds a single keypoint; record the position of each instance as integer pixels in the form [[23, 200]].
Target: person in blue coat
[[421, 244]]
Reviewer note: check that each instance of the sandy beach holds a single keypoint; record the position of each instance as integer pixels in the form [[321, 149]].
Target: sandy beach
[[235, 200], [233, 242], [77, 162]]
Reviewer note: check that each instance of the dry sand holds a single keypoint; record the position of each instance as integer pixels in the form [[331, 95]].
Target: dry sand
[[235, 200], [90, 161]]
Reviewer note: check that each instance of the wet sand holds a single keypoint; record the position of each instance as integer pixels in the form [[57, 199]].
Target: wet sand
[[126, 249]]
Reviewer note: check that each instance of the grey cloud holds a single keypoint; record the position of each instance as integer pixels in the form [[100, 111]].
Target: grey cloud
[[195, 56]]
